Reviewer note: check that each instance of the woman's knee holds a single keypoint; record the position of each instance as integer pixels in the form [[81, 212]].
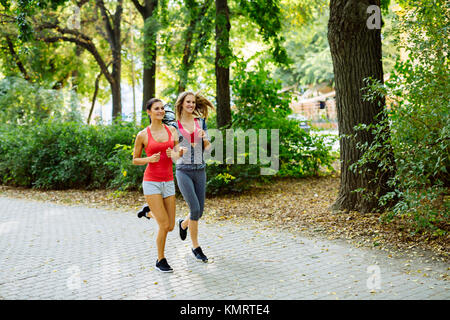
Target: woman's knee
[[164, 226], [195, 215], [167, 225]]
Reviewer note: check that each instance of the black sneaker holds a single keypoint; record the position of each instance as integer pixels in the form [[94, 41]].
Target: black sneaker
[[163, 266], [183, 232], [143, 212], [198, 253]]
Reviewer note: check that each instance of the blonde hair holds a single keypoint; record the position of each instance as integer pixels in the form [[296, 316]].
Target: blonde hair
[[201, 104]]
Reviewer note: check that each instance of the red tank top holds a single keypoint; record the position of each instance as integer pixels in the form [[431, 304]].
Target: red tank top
[[162, 170], [190, 136]]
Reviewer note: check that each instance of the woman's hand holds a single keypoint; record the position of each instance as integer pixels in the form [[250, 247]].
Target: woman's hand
[[202, 134], [175, 155], [183, 150], [170, 153], [206, 143], [155, 157]]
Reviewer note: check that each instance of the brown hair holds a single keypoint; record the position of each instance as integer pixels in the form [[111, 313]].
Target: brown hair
[[201, 104], [149, 103], [148, 106]]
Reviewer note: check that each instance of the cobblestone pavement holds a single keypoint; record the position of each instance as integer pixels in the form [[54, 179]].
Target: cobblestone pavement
[[49, 251]]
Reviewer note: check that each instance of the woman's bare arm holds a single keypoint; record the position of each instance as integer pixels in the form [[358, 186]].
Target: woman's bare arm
[[137, 152], [177, 152]]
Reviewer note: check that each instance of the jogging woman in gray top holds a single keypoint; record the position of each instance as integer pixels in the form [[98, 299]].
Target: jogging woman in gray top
[[191, 113]]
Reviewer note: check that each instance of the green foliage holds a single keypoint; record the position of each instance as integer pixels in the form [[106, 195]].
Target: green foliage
[[307, 46], [260, 105], [60, 65], [54, 155], [236, 178], [22, 102], [24, 9], [126, 175], [256, 96], [416, 127], [185, 31], [267, 15]]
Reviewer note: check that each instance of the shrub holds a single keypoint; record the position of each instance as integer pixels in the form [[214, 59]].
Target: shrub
[[417, 124], [22, 102], [260, 105], [126, 175], [54, 155]]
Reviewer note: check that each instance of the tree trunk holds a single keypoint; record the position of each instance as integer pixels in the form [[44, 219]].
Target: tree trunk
[[196, 37], [116, 71], [116, 99], [149, 54], [112, 26], [222, 70], [149, 90], [16, 59], [185, 67], [94, 98], [356, 55]]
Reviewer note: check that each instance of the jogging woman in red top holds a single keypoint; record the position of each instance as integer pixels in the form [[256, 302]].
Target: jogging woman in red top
[[160, 143]]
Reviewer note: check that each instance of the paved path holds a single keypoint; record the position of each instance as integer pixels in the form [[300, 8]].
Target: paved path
[[48, 251]]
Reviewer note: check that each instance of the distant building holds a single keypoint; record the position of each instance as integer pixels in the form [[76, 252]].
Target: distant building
[[318, 105]]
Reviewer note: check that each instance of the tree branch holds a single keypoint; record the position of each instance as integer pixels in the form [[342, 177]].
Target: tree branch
[[117, 19], [81, 3], [96, 87], [89, 46], [56, 26], [109, 28], [139, 7], [17, 59]]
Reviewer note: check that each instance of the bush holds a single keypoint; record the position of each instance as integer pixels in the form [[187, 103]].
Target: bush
[[22, 102], [51, 154], [126, 175], [54, 155], [417, 124], [260, 105]]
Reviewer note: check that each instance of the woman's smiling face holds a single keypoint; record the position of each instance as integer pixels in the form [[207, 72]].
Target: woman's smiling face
[[189, 103], [157, 111]]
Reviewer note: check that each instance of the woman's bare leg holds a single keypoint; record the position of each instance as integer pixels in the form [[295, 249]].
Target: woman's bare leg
[[193, 230], [169, 204], [159, 213]]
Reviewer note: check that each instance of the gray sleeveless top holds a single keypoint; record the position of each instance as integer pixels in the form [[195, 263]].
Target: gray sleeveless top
[[193, 158]]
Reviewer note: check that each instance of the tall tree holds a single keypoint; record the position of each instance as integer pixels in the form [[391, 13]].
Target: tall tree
[[222, 63], [113, 32], [149, 53], [52, 31], [196, 36], [356, 55], [16, 58], [270, 25]]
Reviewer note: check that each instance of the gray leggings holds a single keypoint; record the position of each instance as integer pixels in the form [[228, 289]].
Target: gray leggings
[[192, 184]]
